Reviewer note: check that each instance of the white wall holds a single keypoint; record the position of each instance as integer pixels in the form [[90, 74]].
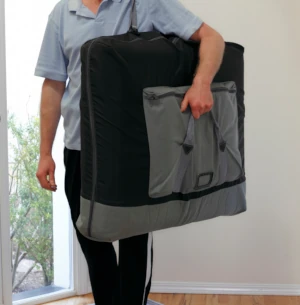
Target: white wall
[[262, 245]]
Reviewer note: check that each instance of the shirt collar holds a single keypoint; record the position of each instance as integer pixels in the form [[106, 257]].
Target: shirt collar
[[74, 5]]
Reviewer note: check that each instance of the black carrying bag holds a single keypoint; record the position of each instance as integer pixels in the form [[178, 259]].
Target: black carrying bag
[[116, 201]]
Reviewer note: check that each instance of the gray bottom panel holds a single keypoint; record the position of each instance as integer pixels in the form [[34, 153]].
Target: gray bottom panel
[[114, 223]]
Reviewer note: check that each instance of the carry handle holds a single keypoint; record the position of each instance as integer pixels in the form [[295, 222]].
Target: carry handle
[[186, 156], [189, 140]]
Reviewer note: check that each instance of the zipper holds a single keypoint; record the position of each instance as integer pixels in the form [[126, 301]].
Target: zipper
[[157, 38], [223, 89], [93, 136], [153, 97], [163, 95]]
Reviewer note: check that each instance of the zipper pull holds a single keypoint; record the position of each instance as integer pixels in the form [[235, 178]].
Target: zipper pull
[[152, 97]]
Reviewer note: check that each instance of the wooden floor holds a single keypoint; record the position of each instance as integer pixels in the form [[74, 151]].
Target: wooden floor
[[193, 299]]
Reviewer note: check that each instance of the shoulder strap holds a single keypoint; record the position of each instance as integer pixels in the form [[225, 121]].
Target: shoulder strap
[[133, 22]]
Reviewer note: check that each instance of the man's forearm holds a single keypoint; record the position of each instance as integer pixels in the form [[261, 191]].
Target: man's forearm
[[50, 112], [211, 53], [199, 96]]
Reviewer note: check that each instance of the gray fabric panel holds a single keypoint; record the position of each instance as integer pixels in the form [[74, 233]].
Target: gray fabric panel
[[228, 124], [186, 155], [166, 136], [167, 127], [115, 223], [223, 166]]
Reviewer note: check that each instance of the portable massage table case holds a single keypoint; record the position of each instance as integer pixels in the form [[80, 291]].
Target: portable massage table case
[[145, 165]]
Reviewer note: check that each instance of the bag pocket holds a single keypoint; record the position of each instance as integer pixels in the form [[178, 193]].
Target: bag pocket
[[188, 155]]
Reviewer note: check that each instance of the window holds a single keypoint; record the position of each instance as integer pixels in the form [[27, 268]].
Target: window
[[42, 259]]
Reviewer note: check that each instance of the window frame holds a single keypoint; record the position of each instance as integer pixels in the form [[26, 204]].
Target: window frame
[[5, 272]]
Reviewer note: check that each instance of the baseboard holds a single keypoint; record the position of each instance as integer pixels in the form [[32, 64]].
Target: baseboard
[[225, 288]]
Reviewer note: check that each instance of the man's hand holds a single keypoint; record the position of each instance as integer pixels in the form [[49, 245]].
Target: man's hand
[[52, 93], [200, 99], [45, 173]]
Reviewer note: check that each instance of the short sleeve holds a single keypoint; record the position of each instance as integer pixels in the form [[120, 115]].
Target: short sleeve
[[52, 62], [171, 17]]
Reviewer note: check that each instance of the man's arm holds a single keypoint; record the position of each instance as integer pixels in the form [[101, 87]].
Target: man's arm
[[52, 93], [212, 46], [211, 53]]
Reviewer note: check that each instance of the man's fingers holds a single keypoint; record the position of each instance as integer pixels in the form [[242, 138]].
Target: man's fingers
[[44, 182], [52, 180], [45, 173], [208, 108], [196, 113], [184, 104], [197, 110]]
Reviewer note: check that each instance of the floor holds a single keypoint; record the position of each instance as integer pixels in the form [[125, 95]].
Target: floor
[[188, 299]]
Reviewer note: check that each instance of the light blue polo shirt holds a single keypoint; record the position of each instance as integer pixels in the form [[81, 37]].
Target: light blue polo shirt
[[71, 24]]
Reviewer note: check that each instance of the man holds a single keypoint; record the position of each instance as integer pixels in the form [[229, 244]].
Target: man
[[71, 24]]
